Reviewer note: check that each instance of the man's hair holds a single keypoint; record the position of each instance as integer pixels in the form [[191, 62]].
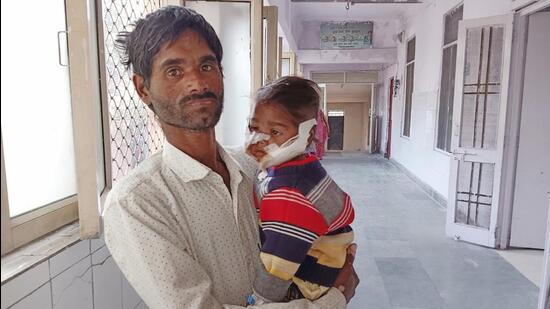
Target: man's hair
[[299, 96], [139, 46]]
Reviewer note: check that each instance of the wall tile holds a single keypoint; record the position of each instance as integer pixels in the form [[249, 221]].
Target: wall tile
[[107, 280], [41, 298], [68, 257], [73, 288], [24, 284]]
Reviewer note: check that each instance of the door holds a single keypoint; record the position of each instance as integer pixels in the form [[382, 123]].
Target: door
[[483, 62], [372, 121], [387, 155], [239, 27], [271, 48], [336, 124], [532, 183]]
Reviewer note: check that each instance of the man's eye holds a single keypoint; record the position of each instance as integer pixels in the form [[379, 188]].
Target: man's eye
[[252, 128], [174, 72], [275, 132], [207, 67]]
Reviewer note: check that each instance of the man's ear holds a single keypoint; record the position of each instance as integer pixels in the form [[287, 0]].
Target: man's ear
[[142, 90]]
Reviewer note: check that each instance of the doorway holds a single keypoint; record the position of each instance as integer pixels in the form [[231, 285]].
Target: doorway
[[532, 183], [336, 124]]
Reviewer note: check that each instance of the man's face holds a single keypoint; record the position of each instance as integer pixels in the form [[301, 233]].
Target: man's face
[[186, 84]]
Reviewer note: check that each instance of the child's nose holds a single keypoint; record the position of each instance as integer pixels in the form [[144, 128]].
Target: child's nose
[[262, 143]]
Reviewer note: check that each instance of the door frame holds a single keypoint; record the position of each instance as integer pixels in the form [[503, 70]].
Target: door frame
[[465, 232], [513, 119], [387, 154]]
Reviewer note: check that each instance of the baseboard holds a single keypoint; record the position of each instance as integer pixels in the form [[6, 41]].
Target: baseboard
[[439, 199]]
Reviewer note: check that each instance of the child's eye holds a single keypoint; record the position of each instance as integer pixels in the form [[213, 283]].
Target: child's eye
[[276, 133]]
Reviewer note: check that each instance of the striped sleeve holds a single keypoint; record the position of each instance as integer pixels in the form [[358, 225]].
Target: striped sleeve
[[290, 224], [345, 217]]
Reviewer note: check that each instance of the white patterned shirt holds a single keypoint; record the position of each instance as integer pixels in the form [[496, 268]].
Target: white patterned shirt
[[183, 240]]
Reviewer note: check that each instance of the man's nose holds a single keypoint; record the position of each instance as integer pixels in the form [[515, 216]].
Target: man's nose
[[196, 82]]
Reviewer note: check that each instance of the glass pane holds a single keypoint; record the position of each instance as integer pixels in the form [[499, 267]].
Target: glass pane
[[37, 126], [411, 49], [451, 25], [408, 100], [231, 20], [134, 132], [285, 71], [474, 193], [481, 92], [446, 97]]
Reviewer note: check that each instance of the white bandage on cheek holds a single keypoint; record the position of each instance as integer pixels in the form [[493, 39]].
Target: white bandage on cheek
[[289, 149]]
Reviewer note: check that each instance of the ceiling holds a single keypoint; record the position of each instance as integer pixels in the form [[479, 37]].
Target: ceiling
[[362, 1], [336, 9]]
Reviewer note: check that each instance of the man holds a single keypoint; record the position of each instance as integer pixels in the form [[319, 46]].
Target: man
[[181, 226]]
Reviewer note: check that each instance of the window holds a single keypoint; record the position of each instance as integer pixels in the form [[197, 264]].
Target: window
[[39, 191], [409, 86], [448, 69], [55, 132], [134, 133]]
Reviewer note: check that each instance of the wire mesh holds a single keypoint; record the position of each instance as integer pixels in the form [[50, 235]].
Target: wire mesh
[[134, 132]]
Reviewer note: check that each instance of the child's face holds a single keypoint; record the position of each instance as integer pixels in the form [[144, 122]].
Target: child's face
[[271, 119]]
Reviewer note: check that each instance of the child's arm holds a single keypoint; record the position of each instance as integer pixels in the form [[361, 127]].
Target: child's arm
[[290, 224]]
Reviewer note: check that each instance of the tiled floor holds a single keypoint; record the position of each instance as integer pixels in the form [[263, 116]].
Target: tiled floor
[[405, 260]]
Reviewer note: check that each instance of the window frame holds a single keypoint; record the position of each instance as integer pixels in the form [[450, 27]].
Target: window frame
[[291, 56], [85, 101], [407, 64], [443, 48]]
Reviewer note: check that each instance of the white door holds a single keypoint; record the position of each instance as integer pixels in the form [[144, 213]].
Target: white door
[[533, 166], [483, 64]]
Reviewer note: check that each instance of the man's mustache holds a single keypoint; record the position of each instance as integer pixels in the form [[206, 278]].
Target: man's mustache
[[204, 95]]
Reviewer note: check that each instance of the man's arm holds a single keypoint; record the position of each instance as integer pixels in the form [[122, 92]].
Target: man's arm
[[157, 264]]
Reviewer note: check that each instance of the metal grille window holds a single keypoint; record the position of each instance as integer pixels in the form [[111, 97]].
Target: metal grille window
[[134, 132], [448, 70], [409, 86]]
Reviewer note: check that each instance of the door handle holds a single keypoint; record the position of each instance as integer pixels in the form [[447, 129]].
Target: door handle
[[59, 48]]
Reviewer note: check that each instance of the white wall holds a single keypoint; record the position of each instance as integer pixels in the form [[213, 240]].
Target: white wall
[[417, 153], [83, 275], [232, 24]]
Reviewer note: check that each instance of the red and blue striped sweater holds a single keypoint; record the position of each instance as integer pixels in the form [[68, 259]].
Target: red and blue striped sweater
[[304, 229]]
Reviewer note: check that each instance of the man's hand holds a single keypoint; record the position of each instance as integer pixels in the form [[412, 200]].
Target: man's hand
[[348, 280]]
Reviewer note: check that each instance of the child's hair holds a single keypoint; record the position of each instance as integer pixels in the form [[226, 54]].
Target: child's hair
[[299, 96]]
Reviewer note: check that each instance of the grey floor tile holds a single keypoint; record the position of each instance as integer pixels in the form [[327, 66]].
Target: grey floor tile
[[397, 223], [407, 283]]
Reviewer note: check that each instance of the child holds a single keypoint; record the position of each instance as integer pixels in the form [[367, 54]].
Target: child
[[304, 216]]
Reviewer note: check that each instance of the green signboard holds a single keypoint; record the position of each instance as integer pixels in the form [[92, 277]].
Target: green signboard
[[346, 35]]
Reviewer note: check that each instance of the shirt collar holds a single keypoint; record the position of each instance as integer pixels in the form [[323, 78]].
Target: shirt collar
[[189, 169]]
